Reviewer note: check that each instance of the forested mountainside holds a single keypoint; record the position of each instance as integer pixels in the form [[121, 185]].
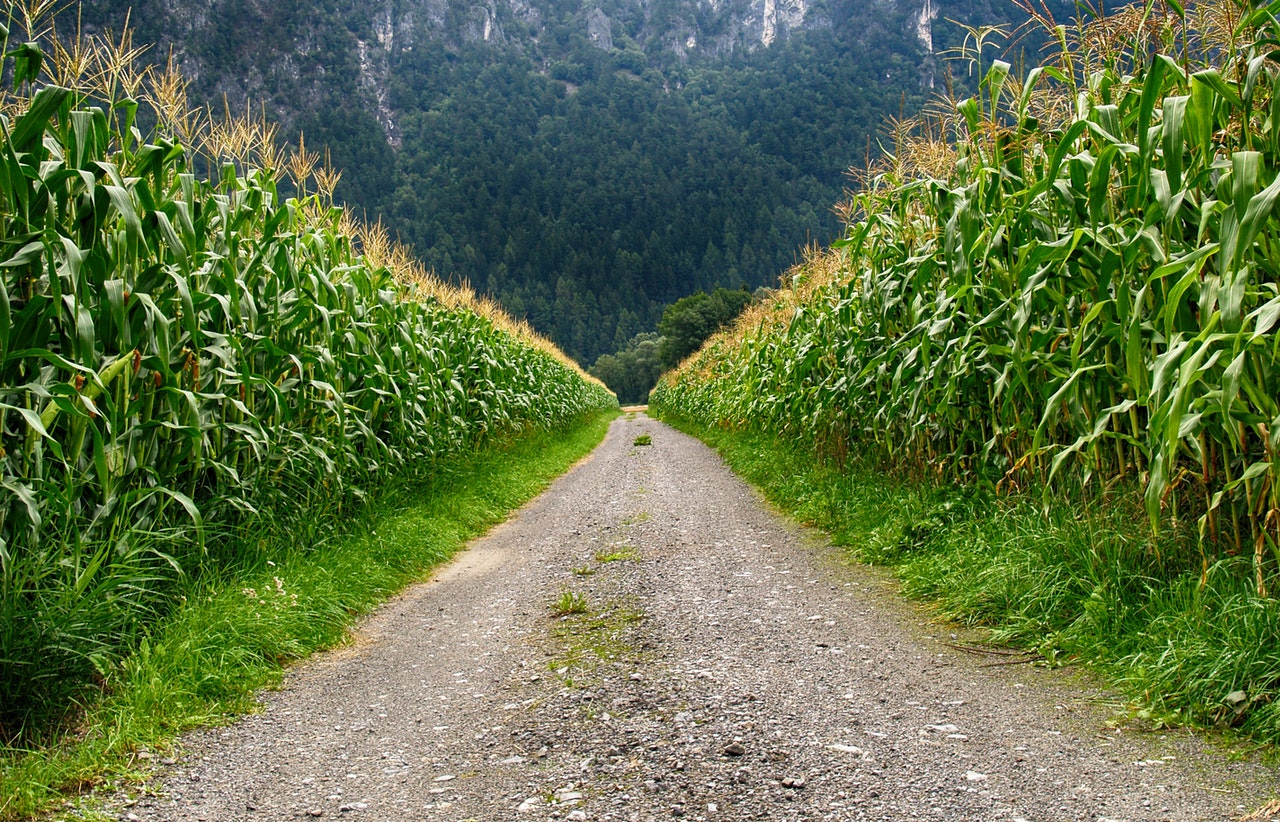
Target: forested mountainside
[[586, 164]]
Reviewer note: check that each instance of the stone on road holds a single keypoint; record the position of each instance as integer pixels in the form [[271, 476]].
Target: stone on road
[[646, 641]]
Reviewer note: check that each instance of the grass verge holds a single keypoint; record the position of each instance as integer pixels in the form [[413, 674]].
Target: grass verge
[[203, 665], [1188, 643]]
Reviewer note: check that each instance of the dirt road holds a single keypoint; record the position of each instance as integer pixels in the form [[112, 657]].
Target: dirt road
[[647, 641]]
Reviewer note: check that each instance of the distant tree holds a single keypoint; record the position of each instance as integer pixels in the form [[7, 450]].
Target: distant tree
[[628, 327], [632, 372], [689, 321]]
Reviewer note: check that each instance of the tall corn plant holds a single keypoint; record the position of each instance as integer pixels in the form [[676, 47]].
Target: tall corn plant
[[188, 360], [1070, 277]]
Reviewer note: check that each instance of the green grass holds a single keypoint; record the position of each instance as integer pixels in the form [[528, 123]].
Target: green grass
[[203, 665], [1083, 582], [595, 638]]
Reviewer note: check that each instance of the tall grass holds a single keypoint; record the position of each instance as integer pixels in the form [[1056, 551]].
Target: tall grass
[[191, 362], [1067, 280]]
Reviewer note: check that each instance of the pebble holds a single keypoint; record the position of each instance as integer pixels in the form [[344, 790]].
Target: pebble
[[734, 749], [852, 749]]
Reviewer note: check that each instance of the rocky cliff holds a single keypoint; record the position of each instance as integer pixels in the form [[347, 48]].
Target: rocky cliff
[[287, 53]]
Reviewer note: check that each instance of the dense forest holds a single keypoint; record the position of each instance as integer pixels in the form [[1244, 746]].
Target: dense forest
[[586, 174]]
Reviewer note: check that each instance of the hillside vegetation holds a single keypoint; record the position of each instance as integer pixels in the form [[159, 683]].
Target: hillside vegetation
[[1063, 290], [199, 375], [584, 175]]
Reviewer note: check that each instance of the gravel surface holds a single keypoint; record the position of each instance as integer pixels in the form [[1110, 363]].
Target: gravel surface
[[728, 666]]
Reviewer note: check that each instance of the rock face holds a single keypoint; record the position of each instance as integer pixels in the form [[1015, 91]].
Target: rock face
[[688, 28], [283, 53], [924, 31], [600, 30]]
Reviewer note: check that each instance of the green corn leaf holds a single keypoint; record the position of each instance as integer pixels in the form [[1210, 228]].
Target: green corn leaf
[[1212, 78], [1258, 211], [27, 59], [26, 255], [994, 81], [1175, 109], [193, 511], [86, 336], [29, 129], [1231, 384], [188, 310], [1030, 83], [123, 202], [970, 109], [1107, 123], [1161, 189], [1265, 318], [1188, 268], [115, 291], [1251, 473], [1201, 118], [1153, 90], [23, 493], [1256, 65], [5, 322]]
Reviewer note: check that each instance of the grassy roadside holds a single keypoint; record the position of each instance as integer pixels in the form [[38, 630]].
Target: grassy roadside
[[203, 665], [1083, 582]]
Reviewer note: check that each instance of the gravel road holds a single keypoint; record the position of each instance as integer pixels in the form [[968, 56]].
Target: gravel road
[[729, 665]]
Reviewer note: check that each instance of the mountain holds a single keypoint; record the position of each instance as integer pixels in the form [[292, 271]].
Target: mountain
[[586, 163]]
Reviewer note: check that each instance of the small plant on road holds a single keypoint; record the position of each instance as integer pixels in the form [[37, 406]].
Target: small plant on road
[[570, 603], [621, 553], [643, 439]]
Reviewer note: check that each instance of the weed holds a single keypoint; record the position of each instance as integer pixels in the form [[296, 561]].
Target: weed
[[570, 603], [619, 554], [643, 439], [603, 637]]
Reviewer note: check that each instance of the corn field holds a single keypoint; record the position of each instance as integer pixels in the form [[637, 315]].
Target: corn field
[[1068, 278], [189, 358]]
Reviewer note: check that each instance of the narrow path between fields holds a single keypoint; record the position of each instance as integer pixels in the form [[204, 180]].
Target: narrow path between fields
[[727, 666]]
